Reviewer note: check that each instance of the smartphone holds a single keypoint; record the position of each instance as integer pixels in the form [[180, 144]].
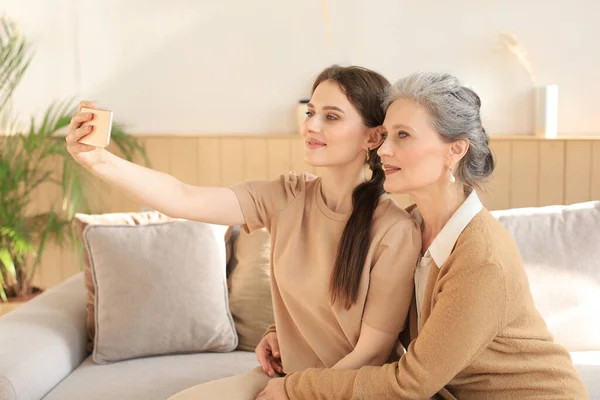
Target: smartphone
[[102, 123]]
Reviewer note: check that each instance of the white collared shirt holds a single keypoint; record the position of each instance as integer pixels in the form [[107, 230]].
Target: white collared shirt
[[442, 245]]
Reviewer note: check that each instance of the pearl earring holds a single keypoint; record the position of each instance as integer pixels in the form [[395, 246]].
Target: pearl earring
[[451, 178]]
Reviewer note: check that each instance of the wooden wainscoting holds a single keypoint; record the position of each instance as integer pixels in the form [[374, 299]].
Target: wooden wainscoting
[[529, 172]]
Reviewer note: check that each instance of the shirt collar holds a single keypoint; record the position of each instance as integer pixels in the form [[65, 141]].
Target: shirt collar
[[444, 242]]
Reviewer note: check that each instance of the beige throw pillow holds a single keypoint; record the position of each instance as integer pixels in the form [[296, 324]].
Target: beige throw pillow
[[250, 287], [159, 288]]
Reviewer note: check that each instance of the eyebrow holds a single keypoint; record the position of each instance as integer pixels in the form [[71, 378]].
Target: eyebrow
[[334, 108], [400, 126]]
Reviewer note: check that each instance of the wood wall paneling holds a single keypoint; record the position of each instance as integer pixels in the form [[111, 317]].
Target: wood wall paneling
[[529, 172]]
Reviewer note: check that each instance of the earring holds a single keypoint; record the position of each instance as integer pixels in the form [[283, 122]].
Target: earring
[[451, 178], [368, 155]]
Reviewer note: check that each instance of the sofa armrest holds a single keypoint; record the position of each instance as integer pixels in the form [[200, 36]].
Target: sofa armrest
[[42, 341]]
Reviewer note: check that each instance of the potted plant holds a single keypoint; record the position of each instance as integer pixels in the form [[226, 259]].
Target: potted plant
[[29, 160]]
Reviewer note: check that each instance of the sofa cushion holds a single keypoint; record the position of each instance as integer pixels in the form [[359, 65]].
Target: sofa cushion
[[42, 341], [560, 247], [588, 366], [149, 378], [81, 222], [250, 287], [159, 289]]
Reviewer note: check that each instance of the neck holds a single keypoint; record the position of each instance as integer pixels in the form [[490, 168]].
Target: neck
[[338, 183], [437, 205]]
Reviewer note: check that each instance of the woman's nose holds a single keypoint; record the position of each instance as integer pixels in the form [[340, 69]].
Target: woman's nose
[[312, 124], [385, 149]]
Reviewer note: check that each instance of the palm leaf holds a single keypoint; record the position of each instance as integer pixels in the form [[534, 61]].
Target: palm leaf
[[28, 160], [8, 263], [2, 292], [57, 116], [14, 59]]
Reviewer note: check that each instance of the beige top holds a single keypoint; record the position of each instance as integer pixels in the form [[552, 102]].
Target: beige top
[[305, 235], [480, 336], [442, 245]]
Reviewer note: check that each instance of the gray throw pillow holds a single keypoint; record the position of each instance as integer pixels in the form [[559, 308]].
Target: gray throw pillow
[[560, 247], [160, 289]]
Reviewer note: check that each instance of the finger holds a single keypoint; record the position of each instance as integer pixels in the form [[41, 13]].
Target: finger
[[78, 119], [277, 365], [274, 345], [261, 356], [271, 370], [79, 133], [86, 103]]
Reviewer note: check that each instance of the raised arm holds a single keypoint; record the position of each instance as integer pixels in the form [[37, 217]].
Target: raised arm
[[162, 192]]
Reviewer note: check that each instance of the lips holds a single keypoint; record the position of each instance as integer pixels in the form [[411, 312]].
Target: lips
[[314, 143], [390, 169]]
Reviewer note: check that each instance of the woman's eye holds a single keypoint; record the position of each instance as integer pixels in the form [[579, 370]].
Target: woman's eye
[[384, 135], [308, 114], [331, 117], [402, 134]]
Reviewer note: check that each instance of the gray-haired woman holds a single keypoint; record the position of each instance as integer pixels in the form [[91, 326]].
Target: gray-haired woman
[[473, 329]]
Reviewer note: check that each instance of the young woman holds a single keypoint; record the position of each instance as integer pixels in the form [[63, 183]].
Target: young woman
[[473, 329], [343, 253]]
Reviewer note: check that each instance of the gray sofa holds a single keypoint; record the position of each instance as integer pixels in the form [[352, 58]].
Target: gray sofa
[[42, 344]]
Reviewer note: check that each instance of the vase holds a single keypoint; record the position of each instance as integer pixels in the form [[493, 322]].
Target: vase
[[546, 111]]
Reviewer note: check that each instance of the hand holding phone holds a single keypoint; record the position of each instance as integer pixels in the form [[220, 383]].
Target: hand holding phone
[[101, 122]]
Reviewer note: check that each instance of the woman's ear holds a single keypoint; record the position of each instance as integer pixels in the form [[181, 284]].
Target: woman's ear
[[458, 149], [375, 137]]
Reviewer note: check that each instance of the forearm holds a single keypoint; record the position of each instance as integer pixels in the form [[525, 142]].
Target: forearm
[[167, 194], [373, 348], [152, 188], [466, 319], [357, 359]]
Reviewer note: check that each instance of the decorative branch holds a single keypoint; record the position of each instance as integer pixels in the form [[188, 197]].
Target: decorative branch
[[510, 42]]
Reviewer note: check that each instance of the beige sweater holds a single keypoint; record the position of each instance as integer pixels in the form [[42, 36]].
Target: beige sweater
[[481, 336]]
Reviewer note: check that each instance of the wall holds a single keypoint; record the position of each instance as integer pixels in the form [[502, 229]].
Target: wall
[[190, 66]]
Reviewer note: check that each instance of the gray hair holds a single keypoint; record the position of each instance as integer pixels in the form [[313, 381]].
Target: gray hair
[[455, 114]]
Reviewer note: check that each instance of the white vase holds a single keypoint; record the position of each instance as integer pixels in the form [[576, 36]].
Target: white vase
[[546, 111]]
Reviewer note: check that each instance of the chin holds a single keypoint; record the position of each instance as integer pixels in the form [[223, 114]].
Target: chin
[[312, 163], [394, 187], [315, 161]]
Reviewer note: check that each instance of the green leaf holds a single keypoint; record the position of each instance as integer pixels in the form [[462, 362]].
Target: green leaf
[[32, 158], [2, 292], [7, 260], [14, 59]]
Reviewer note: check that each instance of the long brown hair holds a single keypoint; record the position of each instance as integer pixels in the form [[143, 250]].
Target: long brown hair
[[364, 89]]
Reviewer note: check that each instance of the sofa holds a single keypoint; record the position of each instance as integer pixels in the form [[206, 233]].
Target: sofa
[[44, 350]]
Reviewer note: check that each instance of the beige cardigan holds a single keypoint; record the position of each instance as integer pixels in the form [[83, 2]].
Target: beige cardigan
[[481, 336]]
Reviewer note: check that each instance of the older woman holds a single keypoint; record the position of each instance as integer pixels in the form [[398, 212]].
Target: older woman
[[473, 329]]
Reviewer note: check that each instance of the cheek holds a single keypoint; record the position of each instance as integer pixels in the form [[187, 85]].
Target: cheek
[[423, 165], [345, 140]]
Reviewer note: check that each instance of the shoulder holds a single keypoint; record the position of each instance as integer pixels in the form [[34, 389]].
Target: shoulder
[[389, 213], [292, 184], [394, 225], [486, 242]]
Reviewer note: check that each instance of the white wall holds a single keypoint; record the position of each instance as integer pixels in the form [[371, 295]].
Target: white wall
[[186, 66]]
